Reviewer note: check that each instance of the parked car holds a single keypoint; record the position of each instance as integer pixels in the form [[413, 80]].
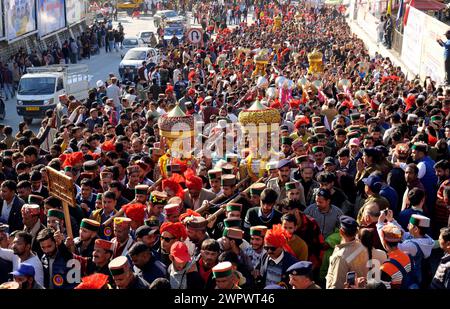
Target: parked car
[[148, 37], [168, 16], [169, 32], [133, 60], [130, 42]]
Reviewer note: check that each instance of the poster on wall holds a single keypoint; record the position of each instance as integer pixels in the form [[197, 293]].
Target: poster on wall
[[412, 40], [75, 11], [21, 17], [433, 63], [51, 16]]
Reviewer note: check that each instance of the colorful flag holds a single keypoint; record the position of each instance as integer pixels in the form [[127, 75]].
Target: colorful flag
[[400, 11], [389, 8], [405, 17]]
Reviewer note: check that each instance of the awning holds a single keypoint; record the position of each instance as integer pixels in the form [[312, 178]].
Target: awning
[[428, 5]]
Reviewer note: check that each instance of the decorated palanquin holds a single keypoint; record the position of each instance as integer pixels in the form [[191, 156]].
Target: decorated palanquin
[[315, 59], [258, 124], [177, 131], [261, 60], [277, 22]]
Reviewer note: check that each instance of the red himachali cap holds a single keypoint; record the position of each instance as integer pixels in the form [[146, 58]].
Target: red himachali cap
[[180, 252]]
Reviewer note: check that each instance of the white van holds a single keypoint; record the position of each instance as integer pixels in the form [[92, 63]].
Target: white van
[[40, 88]]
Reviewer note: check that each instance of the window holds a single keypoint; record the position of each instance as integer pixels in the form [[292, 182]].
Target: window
[[60, 85]]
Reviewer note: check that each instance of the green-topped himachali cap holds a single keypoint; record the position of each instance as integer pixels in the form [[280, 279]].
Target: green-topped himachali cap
[[233, 233], [222, 270], [141, 189], [420, 147], [234, 207], [55, 213], [228, 180], [90, 165], [257, 188], [232, 157], [419, 220], [227, 168], [153, 221], [436, 118], [291, 185], [214, 174], [89, 224], [317, 149], [232, 222], [355, 116], [286, 140], [258, 230]]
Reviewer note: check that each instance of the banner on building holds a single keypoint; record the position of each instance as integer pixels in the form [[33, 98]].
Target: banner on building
[[51, 16], [20, 18], [75, 11], [412, 40]]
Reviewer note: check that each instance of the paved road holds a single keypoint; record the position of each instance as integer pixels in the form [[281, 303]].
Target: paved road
[[99, 67]]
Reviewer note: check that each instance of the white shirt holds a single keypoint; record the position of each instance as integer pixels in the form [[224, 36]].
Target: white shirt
[[34, 261], [6, 210], [113, 92], [278, 259], [176, 73]]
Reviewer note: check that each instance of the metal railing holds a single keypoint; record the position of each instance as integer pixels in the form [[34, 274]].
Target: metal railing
[[397, 41]]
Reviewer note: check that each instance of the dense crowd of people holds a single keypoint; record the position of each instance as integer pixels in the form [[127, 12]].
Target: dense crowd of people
[[356, 196]]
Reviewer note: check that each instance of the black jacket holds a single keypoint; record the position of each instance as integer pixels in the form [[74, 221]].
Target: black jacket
[[286, 262], [15, 215], [252, 218]]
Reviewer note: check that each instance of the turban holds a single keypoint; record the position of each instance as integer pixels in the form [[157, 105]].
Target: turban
[[72, 159], [347, 103], [194, 182], [93, 282], [278, 237], [410, 101], [94, 155], [135, 212], [108, 146], [191, 75], [302, 120], [169, 89], [177, 229], [189, 213], [294, 103], [275, 104], [174, 186]]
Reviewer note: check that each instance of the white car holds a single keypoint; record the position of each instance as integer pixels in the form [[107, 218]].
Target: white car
[[134, 57], [147, 37], [167, 16], [130, 42]]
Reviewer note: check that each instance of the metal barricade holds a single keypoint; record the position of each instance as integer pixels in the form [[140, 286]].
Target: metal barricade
[[397, 41]]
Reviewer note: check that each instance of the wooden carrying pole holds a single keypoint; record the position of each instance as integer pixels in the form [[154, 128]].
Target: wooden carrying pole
[[62, 187], [121, 211], [222, 208], [204, 208]]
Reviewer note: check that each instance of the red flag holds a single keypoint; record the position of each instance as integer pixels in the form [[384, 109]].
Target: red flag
[[405, 17]]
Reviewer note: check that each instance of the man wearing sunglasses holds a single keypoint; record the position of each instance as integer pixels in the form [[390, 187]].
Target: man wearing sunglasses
[[273, 266]]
